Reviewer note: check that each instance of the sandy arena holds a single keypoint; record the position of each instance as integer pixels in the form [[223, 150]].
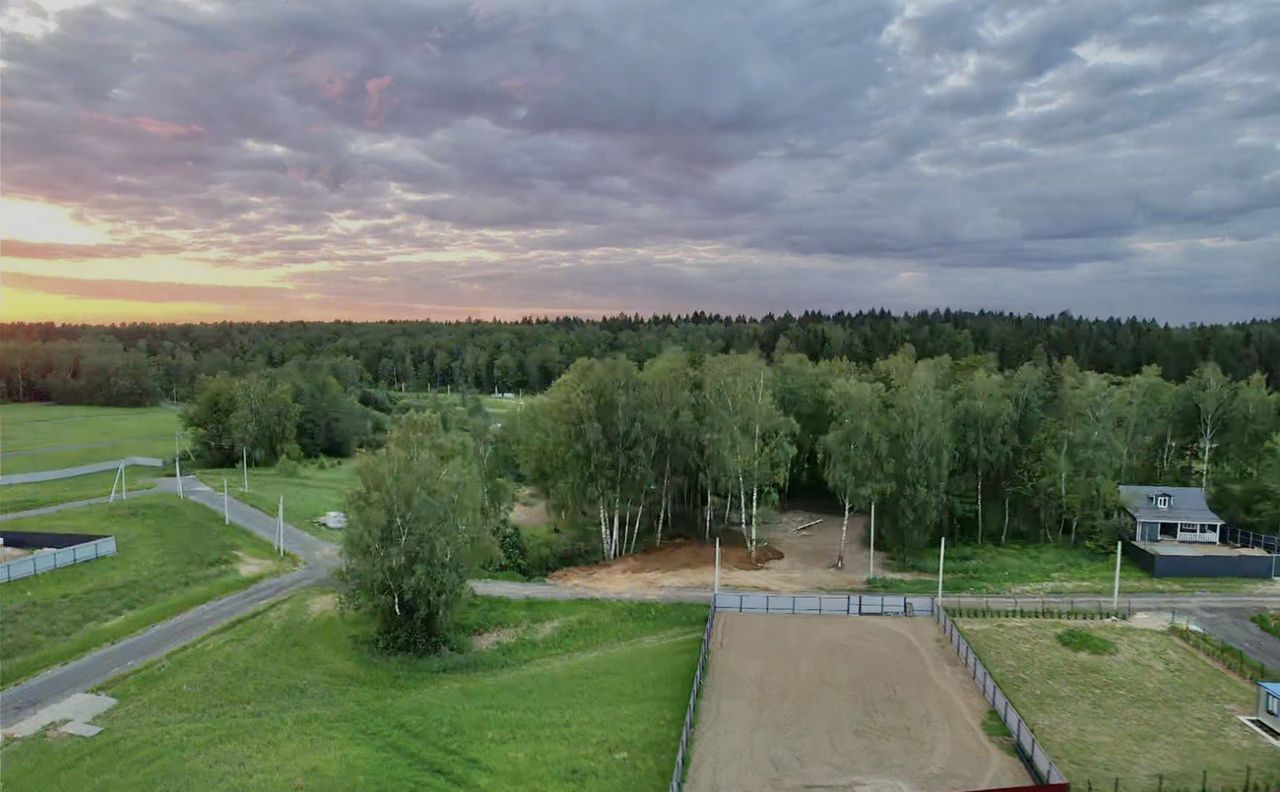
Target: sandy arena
[[872, 704]]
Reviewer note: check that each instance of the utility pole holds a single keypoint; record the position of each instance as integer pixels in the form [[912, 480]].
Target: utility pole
[[177, 460], [716, 587], [871, 563], [1115, 592], [280, 527], [244, 466], [942, 555], [226, 513], [124, 481]]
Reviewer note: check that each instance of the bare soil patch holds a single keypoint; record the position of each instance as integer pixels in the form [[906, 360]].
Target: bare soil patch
[[874, 704], [250, 566], [10, 553], [786, 560], [325, 603], [503, 635]]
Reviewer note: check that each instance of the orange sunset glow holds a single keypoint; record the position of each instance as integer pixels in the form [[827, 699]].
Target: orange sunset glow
[[503, 160]]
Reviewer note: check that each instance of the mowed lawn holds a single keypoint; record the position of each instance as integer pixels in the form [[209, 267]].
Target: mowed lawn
[[1042, 569], [1154, 707], [583, 696], [309, 491], [49, 436], [20, 497], [172, 555]]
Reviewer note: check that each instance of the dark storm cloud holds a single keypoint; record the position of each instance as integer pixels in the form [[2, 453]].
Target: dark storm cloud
[[669, 156]]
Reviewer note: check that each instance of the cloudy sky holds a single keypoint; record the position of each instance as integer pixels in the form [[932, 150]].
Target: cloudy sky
[[328, 158]]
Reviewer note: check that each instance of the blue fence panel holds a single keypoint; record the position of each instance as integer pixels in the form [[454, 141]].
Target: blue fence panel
[[40, 563]]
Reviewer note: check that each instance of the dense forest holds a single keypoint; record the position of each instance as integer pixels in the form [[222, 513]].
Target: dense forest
[[79, 363], [981, 427], [954, 447]]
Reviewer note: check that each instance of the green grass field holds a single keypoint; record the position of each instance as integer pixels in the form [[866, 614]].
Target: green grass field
[[172, 555], [1042, 569], [20, 497], [50, 436], [584, 696], [309, 491], [1154, 707]]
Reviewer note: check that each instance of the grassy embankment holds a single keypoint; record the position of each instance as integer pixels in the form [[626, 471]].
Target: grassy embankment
[[580, 695], [172, 555], [1125, 703]]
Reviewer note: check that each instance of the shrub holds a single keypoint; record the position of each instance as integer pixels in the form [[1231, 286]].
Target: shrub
[[1080, 640]]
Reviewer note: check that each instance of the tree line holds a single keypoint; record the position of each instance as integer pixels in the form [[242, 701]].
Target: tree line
[[943, 446], [46, 361]]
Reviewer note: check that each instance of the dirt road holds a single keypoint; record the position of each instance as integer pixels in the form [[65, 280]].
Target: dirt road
[[872, 704]]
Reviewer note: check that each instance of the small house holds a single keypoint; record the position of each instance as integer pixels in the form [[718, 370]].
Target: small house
[[1269, 705], [1177, 514]]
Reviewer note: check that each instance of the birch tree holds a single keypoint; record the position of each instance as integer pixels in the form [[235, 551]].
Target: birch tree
[[984, 422], [669, 385], [1211, 392], [590, 443], [922, 449], [414, 517], [855, 451], [750, 440]]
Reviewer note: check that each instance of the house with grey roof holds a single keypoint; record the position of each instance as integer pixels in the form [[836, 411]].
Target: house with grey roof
[[1177, 514]]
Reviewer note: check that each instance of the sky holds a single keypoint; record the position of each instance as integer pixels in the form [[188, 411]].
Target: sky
[[198, 161]]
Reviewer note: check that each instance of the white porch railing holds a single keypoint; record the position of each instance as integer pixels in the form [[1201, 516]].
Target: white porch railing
[[1211, 537]]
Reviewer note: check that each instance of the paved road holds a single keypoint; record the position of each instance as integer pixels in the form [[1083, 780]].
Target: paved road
[[1233, 626], [309, 548], [511, 589], [93, 669]]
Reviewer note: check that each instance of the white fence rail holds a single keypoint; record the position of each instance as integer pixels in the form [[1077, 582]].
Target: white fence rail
[[50, 560], [1028, 746], [79, 470]]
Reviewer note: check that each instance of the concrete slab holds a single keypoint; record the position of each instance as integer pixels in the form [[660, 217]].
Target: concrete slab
[[82, 707], [80, 729]]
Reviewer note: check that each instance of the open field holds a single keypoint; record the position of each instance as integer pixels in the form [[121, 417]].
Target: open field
[[821, 702], [32, 426], [49, 436], [581, 695], [173, 555], [309, 491], [1153, 707], [20, 497]]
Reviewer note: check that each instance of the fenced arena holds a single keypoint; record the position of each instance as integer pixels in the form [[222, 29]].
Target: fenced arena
[[34, 553], [825, 699]]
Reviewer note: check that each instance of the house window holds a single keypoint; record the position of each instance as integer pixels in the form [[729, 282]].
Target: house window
[[1273, 704], [1162, 501]]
